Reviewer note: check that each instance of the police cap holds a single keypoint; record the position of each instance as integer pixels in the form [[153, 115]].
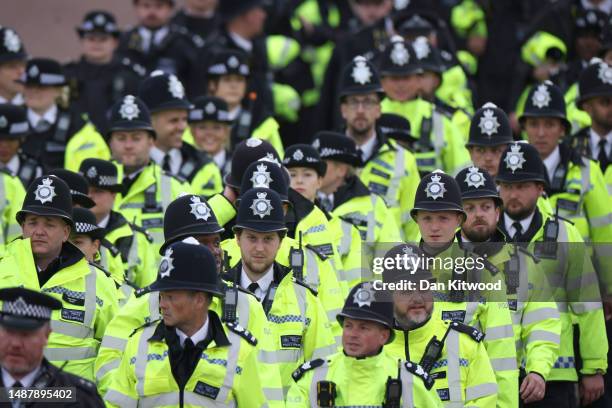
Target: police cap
[[396, 127], [47, 196], [26, 309], [521, 162], [161, 91], [209, 108], [490, 126], [188, 215], [303, 155], [336, 146], [475, 182], [85, 224], [13, 121], [128, 114], [360, 77], [43, 72], [98, 21], [545, 100], [101, 174], [261, 210], [229, 62]]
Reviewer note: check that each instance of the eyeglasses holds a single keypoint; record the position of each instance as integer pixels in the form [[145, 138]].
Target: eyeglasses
[[368, 103]]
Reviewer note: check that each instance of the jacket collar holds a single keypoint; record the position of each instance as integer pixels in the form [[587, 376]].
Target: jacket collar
[[353, 187], [216, 333], [533, 229], [233, 275], [299, 209]]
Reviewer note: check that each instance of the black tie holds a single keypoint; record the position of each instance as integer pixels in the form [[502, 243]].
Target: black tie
[[16, 403], [361, 155], [602, 157], [166, 163], [188, 345], [519, 229], [253, 287], [17, 384]]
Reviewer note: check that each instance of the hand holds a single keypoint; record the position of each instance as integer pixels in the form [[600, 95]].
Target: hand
[[533, 388], [591, 388], [230, 194]]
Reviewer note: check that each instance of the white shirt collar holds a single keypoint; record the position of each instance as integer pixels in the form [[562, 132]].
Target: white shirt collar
[[368, 147], [233, 114], [525, 223], [220, 159], [26, 381], [17, 100], [176, 159], [104, 222], [149, 36], [264, 282], [13, 164], [595, 138], [242, 42], [605, 6], [552, 162], [197, 336], [50, 116], [322, 196]]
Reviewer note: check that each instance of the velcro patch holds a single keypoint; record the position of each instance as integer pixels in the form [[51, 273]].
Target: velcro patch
[[325, 249], [377, 188], [291, 341], [379, 173], [206, 390], [567, 205], [438, 375], [444, 394], [73, 300], [73, 315], [152, 223], [453, 315]]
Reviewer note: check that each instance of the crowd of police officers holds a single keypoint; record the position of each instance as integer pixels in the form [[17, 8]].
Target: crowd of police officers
[[190, 212]]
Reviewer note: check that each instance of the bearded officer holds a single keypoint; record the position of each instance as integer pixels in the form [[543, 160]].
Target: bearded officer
[[24, 332], [44, 260], [199, 360]]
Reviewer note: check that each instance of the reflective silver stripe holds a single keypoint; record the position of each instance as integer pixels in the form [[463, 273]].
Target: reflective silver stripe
[[331, 314], [193, 399], [583, 307], [166, 191], [609, 188], [140, 366], [438, 132], [133, 259], [540, 315], [398, 172], [503, 364], [407, 382], [3, 203], [562, 306], [274, 394], [90, 297], [71, 329], [603, 221], [312, 270], [499, 332], [480, 390], [323, 352], [120, 399], [278, 356], [543, 335], [104, 258], [243, 312], [154, 306], [230, 369], [345, 240], [70, 353], [111, 365], [453, 372], [370, 237], [352, 274], [158, 400], [319, 375], [135, 206], [300, 294], [157, 235], [470, 310], [585, 175], [115, 343]]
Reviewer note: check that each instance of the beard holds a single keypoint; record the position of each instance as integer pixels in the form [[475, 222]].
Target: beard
[[256, 269], [479, 235], [408, 322], [521, 213]]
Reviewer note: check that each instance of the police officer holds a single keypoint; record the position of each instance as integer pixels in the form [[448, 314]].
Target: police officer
[[576, 186], [190, 341], [45, 261], [129, 241], [363, 373], [147, 189], [155, 44], [14, 130], [228, 74], [388, 170], [78, 185], [440, 143], [521, 180], [25, 326], [210, 126], [307, 170], [198, 17], [164, 95], [98, 79], [287, 301], [344, 195], [450, 352], [13, 126], [61, 137], [438, 212], [535, 317], [490, 133], [12, 66]]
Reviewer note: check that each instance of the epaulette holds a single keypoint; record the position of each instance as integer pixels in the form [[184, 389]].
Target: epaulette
[[140, 229], [528, 253], [416, 369], [174, 176], [8, 172], [104, 271], [146, 324], [109, 245], [304, 284], [474, 333], [242, 332], [307, 366], [317, 252], [137, 68]]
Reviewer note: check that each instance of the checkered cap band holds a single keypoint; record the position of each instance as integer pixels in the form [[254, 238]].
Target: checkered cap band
[[328, 151], [84, 227], [107, 180], [20, 307]]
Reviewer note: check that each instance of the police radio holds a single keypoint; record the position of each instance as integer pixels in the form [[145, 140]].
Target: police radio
[[393, 389], [296, 260], [512, 269], [230, 300], [246, 117], [558, 178], [432, 353], [548, 248], [326, 394]]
